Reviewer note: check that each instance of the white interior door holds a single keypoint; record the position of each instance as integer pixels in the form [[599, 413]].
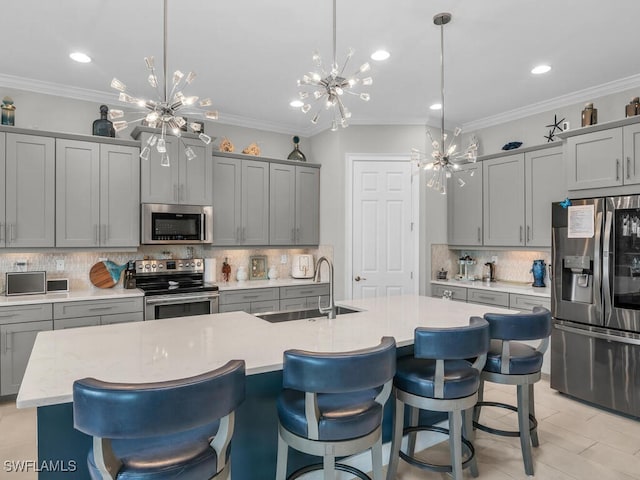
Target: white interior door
[[383, 230]]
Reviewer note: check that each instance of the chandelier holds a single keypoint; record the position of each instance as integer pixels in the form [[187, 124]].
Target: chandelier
[[328, 86], [167, 109], [445, 158]]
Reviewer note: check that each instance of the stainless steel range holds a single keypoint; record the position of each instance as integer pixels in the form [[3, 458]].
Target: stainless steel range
[[175, 288]]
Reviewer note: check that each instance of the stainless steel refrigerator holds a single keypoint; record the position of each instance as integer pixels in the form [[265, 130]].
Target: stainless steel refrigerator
[[595, 301]]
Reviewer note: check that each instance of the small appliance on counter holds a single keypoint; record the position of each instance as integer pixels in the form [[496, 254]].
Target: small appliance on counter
[[489, 272], [25, 283], [302, 266], [130, 275]]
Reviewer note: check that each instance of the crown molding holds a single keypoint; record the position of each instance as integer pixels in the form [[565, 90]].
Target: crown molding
[[579, 96]]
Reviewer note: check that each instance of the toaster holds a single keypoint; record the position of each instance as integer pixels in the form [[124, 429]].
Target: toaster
[[302, 266]]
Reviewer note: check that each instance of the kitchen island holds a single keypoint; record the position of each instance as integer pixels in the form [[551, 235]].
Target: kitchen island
[[181, 347]]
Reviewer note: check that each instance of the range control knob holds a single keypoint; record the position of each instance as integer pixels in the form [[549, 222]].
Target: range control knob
[[147, 266], [160, 266]]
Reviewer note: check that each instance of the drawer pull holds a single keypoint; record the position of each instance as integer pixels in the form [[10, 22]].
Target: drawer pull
[[8, 315], [485, 297], [250, 297], [97, 309]]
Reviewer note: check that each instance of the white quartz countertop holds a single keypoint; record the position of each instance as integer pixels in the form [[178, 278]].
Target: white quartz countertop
[[181, 347], [507, 287], [279, 282], [74, 296]]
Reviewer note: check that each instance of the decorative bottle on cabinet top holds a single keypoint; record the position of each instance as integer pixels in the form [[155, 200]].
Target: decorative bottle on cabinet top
[[103, 127], [296, 154], [589, 115]]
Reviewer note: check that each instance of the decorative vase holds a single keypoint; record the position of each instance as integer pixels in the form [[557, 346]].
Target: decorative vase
[[538, 269], [272, 274], [589, 115], [241, 274], [8, 111], [296, 154], [103, 127], [226, 269]]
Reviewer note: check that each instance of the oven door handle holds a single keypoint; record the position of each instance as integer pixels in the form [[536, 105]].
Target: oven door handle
[[177, 299]]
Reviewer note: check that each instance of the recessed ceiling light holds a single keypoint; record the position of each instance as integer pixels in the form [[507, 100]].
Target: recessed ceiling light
[[540, 69], [380, 55], [80, 57], [296, 103], [436, 106]]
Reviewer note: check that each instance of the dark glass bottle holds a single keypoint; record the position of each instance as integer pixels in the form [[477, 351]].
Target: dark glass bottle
[[103, 127], [296, 154]]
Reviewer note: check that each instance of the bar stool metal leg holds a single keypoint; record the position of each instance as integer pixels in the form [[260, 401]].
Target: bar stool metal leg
[[283, 454], [414, 414], [468, 433], [396, 440], [532, 411], [455, 443], [523, 426]]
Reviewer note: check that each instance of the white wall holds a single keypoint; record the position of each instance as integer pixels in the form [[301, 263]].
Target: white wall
[[330, 149], [62, 114]]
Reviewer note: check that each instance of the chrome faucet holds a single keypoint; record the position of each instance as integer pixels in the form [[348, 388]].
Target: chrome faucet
[[330, 310]]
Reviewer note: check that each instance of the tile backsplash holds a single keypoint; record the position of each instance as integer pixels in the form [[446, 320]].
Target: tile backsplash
[[511, 265], [77, 264]]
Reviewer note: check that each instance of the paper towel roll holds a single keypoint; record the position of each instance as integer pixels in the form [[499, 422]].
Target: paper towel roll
[[210, 268]]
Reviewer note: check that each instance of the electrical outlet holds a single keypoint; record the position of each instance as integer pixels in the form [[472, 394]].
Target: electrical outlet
[[102, 259], [494, 258], [59, 265], [20, 265], [283, 259]]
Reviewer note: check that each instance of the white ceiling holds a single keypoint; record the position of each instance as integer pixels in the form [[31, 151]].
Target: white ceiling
[[248, 54]]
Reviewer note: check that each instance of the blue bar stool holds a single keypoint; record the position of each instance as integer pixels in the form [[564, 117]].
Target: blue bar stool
[[513, 363], [332, 406], [439, 377], [174, 429]]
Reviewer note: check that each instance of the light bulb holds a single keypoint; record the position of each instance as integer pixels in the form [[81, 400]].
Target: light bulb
[[153, 80], [205, 102], [211, 115], [367, 81], [114, 113], [365, 96], [190, 100], [177, 76], [150, 62], [164, 160], [152, 140], [334, 125], [152, 117], [118, 85], [189, 153], [190, 77], [144, 154], [121, 125], [205, 138], [305, 108], [161, 146], [365, 67]]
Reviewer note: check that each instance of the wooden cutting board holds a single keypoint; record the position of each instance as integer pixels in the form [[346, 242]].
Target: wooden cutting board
[[106, 274]]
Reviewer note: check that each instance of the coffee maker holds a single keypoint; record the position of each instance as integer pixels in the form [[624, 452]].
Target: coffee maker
[[130, 275]]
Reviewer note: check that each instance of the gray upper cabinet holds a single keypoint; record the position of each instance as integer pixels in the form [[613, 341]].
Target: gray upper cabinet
[[183, 181], [29, 183], [3, 142], [294, 213], [240, 202], [503, 199], [97, 195], [544, 183], [465, 206], [595, 160], [307, 206], [631, 149]]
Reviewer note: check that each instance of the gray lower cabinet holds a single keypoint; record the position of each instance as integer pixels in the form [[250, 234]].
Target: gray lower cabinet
[[452, 293], [97, 195], [253, 300], [487, 297], [183, 181], [303, 296], [465, 206], [27, 178], [97, 312], [19, 327], [240, 202], [527, 302]]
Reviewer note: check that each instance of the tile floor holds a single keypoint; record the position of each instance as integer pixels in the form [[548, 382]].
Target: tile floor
[[577, 441]]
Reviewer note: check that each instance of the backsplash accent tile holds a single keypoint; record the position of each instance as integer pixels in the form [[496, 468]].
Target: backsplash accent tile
[[512, 265], [78, 264]]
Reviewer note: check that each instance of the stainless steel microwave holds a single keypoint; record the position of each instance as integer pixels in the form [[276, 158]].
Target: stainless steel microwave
[[176, 224]]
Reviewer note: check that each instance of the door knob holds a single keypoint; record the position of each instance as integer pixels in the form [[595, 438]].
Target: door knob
[[358, 278]]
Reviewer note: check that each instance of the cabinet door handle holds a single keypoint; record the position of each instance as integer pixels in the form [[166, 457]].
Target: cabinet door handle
[[479, 238], [617, 169], [629, 167], [1, 232], [297, 235], [528, 233], [293, 235], [8, 345], [12, 229], [175, 192], [520, 233], [244, 234], [96, 234]]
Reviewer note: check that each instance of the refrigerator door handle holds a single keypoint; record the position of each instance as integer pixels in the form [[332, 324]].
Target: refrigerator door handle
[[597, 266], [599, 335], [606, 281]]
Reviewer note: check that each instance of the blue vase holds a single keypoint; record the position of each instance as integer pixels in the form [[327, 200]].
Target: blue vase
[[538, 269]]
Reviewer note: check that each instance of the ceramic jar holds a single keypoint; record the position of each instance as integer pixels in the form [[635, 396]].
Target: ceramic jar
[[241, 274], [272, 273]]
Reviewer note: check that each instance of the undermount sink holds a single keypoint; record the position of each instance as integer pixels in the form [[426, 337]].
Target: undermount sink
[[288, 316]]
